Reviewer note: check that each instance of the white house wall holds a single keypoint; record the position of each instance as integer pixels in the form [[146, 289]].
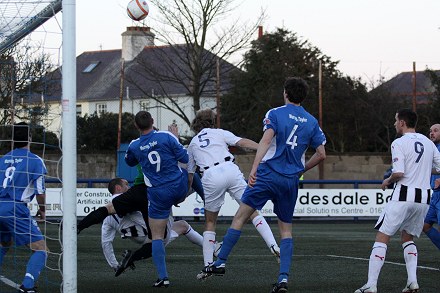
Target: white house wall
[[162, 117]]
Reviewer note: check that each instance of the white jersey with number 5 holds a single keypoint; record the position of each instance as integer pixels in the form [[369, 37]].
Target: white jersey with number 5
[[414, 155], [209, 147]]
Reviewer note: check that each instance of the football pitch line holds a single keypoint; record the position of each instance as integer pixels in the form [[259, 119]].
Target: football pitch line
[[390, 262], [9, 282], [310, 255]]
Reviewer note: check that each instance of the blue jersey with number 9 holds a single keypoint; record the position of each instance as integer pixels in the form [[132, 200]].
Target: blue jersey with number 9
[[158, 153], [295, 130]]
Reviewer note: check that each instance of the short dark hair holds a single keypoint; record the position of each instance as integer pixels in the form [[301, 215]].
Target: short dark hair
[[205, 118], [143, 120], [409, 116], [112, 184], [22, 135], [296, 89]]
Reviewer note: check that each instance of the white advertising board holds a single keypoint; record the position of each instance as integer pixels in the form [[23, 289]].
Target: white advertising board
[[310, 203]]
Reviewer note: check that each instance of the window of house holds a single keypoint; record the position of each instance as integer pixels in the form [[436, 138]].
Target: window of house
[[78, 110], [144, 105], [91, 66], [101, 108]]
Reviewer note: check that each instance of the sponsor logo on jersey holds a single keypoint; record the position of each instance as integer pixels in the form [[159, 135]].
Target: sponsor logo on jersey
[[299, 119], [12, 161], [148, 146]]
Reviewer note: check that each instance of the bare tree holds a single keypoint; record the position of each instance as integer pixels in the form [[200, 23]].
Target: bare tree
[[23, 82], [195, 39]]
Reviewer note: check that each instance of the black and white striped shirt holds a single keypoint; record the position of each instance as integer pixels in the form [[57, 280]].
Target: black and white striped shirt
[[414, 155]]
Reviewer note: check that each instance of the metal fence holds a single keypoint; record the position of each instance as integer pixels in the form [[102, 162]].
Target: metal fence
[[356, 184]]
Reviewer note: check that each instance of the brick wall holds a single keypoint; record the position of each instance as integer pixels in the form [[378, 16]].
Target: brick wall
[[347, 167]]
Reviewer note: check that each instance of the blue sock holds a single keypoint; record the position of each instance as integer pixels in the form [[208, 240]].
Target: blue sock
[[34, 267], [3, 251], [229, 241], [159, 258], [286, 251], [434, 235]]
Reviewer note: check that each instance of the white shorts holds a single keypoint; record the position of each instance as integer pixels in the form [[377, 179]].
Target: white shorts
[[217, 180], [402, 215], [171, 235]]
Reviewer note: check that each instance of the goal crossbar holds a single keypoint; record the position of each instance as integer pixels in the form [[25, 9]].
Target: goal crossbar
[[27, 27]]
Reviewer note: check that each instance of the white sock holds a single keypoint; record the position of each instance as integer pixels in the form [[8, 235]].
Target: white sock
[[410, 255], [264, 229], [377, 259], [208, 247], [194, 236]]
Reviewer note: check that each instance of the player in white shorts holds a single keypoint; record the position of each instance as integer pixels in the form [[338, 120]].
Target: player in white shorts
[[132, 226], [209, 154], [413, 157]]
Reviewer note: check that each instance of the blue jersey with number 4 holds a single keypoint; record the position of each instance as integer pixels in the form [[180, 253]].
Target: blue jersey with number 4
[[158, 153], [21, 175], [295, 130]]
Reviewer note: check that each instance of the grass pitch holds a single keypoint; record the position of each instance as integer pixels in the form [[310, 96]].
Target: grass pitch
[[329, 256]]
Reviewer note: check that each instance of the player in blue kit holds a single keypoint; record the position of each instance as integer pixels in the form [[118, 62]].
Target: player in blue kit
[[279, 163], [21, 179], [159, 154], [433, 215]]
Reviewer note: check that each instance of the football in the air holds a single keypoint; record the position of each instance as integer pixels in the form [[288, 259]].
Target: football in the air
[[137, 9]]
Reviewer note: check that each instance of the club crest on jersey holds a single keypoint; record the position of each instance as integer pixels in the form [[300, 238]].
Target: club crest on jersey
[[395, 160]]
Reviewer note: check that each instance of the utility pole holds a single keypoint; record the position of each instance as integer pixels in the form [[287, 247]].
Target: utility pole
[[321, 164], [121, 93], [218, 100], [414, 86]]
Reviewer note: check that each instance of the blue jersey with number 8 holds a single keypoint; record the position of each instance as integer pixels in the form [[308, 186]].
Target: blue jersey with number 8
[[21, 175]]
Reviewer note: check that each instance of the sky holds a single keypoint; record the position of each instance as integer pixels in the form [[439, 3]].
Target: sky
[[369, 38]]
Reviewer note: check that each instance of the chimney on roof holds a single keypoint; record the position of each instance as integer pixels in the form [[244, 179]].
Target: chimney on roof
[[134, 39], [260, 31]]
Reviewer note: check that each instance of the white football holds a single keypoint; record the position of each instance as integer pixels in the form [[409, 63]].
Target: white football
[[137, 9]]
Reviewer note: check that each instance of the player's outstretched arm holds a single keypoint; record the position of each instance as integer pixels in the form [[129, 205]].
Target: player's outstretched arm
[[41, 200], [247, 143], [262, 149], [317, 157]]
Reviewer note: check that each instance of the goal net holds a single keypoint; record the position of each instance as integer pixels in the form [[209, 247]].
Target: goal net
[[31, 38]]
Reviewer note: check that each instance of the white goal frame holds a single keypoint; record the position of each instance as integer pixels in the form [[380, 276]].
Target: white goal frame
[[68, 104]]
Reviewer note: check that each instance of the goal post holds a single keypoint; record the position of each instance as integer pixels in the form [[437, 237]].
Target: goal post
[[28, 25], [45, 97], [68, 104]]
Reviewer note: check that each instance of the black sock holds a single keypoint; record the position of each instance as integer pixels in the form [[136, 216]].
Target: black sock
[[93, 218], [144, 252]]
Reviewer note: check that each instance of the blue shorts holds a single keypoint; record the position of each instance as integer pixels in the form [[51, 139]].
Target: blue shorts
[[162, 198], [433, 215], [270, 185], [16, 221]]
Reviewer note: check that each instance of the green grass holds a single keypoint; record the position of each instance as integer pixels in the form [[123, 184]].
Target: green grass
[[329, 256]]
